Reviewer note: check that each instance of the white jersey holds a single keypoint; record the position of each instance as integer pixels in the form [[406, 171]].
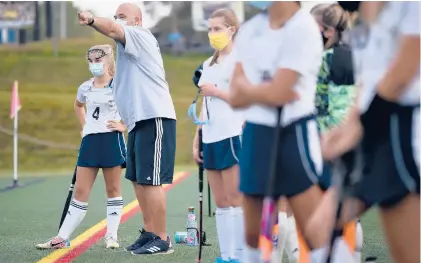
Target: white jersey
[[224, 122], [263, 51], [100, 107], [375, 50]]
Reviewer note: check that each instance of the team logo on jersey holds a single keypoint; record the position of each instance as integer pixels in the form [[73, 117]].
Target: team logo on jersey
[[111, 104], [265, 77]]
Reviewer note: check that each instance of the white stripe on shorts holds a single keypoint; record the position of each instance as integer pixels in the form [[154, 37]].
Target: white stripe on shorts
[[156, 180], [312, 176], [398, 157], [233, 150], [119, 146]]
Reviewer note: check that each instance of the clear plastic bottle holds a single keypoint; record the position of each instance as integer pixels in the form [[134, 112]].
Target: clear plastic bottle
[[191, 225]]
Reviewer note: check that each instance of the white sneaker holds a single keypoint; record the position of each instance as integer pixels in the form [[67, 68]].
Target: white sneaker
[[111, 242], [54, 243]]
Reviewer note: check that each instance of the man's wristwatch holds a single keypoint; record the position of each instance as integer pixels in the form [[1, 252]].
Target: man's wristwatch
[[91, 20]]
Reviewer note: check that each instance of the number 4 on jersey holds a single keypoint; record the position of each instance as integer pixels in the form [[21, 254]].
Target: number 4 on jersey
[[95, 114]]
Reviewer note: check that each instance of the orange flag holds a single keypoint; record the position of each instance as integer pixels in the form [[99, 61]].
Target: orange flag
[[15, 100]]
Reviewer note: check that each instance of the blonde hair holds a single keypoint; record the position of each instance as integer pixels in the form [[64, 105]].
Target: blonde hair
[[336, 17], [230, 19], [109, 56]]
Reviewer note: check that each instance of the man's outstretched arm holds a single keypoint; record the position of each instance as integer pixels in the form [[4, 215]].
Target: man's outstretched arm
[[105, 26]]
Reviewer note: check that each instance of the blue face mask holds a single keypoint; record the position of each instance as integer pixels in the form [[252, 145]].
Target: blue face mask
[[191, 113], [262, 5], [97, 69]]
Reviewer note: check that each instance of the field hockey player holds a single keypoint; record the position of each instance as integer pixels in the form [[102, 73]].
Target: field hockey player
[[102, 147], [279, 57], [222, 129]]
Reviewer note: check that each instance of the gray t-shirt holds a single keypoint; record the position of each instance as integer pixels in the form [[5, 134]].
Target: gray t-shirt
[[140, 89]]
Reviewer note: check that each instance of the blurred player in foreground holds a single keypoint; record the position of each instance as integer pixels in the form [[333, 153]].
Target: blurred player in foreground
[[279, 57], [385, 121], [336, 92], [102, 147], [144, 101], [221, 135]]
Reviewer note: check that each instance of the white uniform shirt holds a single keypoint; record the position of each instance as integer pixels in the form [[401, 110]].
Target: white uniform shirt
[[263, 51], [140, 89], [100, 107], [375, 51], [224, 122]]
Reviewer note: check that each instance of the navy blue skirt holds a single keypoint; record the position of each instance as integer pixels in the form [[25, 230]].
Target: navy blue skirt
[[102, 150], [221, 155]]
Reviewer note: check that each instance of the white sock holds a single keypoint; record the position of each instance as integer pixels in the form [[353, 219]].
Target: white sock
[[251, 255], [358, 243], [278, 252], [318, 255], [239, 237], [341, 252], [114, 212], [75, 214], [223, 228], [291, 244]]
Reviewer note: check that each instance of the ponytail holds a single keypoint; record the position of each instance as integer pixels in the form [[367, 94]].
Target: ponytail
[[214, 58]]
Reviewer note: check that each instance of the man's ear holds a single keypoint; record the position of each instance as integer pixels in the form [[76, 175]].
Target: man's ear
[[138, 21]]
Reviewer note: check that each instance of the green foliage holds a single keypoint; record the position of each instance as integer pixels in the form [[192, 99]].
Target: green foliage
[[47, 88]]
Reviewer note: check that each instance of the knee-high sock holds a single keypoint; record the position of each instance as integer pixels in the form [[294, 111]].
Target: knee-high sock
[[358, 243], [291, 244], [282, 237], [238, 227], [223, 228], [114, 212], [340, 253], [251, 255], [75, 215]]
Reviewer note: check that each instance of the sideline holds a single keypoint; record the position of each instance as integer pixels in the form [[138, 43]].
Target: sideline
[[88, 238]]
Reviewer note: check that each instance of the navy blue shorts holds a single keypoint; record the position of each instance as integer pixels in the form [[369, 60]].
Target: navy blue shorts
[[221, 155], [325, 179], [151, 152], [102, 150], [299, 162], [390, 149]]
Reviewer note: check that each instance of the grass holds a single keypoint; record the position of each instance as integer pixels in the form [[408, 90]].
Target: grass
[[32, 215], [47, 87]]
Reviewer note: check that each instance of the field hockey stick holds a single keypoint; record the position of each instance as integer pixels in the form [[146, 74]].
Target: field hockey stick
[[69, 197], [266, 223], [200, 165], [343, 178]]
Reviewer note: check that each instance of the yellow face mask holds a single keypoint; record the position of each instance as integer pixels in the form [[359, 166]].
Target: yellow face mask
[[219, 40]]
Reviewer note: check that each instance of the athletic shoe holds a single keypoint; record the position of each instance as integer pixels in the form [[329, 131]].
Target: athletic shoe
[[220, 260], [54, 243], [144, 238], [111, 242], [157, 246]]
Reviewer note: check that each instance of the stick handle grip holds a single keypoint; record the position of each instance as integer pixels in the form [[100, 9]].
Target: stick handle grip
[[200, 164]]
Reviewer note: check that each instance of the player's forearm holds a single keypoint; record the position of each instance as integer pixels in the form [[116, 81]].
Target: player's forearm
[[403, 69], [80, 114], [270, 94], [107, 27]]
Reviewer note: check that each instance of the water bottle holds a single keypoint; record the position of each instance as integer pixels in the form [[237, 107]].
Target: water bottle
[[191, 225]]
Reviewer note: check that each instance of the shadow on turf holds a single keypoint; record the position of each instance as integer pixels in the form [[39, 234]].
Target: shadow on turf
[[19, 185]]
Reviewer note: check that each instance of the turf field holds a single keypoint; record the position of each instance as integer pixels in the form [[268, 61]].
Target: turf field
[[31, 214]]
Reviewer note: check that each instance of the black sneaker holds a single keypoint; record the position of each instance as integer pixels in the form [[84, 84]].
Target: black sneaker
[[157, 246], [145, 237]]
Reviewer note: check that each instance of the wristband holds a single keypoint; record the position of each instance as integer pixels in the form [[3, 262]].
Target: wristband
[[92, 22]]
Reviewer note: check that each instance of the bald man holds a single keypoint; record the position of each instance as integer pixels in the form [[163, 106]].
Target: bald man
[[145, 105]]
